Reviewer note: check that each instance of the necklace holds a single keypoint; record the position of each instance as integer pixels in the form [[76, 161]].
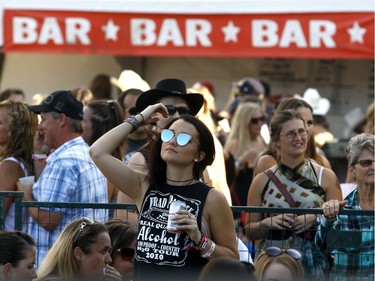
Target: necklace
[[188, 181]]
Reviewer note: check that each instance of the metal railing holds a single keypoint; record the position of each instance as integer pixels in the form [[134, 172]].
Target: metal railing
[[238, 213]]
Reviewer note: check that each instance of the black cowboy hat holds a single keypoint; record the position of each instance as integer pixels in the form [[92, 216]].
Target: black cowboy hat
[[169, 88]]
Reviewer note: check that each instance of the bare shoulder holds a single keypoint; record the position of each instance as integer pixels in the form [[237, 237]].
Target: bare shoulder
[[259, 182], [264, 162], [215, 197], [327, 172], [138, 162]]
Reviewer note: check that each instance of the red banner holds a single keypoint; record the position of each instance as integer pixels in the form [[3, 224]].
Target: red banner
[[308, 35]]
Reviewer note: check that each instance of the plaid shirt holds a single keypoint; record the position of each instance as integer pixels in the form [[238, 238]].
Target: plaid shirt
[[356, 262], [69, 176]]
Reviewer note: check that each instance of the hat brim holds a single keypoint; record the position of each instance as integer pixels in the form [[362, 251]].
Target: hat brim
[[37, 109], [323, 108], [194, 101]]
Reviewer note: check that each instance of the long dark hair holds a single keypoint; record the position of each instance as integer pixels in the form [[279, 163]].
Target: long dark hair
[[105, 116], [158, 167]]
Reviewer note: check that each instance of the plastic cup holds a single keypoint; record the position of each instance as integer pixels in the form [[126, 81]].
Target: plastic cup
[[27, 180]]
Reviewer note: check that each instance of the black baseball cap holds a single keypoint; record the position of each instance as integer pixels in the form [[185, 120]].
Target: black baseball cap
[[61, 101]]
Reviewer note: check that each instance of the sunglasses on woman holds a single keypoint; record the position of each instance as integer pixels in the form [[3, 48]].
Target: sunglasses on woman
[[276, 251], [182, 139], [127, 254], [257, 120], [84, 222]]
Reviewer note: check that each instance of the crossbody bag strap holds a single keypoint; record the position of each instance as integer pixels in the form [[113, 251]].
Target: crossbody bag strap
[[281, 187]]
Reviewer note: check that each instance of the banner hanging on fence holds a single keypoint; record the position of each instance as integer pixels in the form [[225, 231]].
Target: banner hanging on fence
[[302, 35]]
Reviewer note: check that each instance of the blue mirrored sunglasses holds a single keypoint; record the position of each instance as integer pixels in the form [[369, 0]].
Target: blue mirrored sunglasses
[[276, 251], [182, 139]]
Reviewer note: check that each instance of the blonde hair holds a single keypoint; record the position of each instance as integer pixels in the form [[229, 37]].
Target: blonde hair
[[263, 261], [22, 125], [60, 261], [370, 128], [204, 113], [239, 129]]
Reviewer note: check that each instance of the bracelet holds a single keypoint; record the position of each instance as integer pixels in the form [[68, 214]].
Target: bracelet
[[143, 119], [39, 157], [203, 243], [210, 251], [200, 240], [133, 121]]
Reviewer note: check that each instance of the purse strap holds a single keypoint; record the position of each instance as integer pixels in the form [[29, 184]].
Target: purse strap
[[281, 187]]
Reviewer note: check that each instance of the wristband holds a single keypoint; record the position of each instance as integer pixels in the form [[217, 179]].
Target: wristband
[[132, 120], [210, 251], [39, 157]]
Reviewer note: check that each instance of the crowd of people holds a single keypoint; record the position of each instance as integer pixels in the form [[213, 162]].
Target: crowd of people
[[168, 146]]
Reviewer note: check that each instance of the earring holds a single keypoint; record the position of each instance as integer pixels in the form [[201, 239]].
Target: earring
[[196, 159]]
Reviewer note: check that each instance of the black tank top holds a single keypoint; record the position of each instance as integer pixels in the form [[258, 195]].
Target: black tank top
[[159, 254]]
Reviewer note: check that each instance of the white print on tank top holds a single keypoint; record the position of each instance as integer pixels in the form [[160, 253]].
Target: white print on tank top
[[154, 243]]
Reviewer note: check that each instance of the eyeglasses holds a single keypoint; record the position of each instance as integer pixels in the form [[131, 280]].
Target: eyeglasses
[[132, 111], [182, 139], [173, 109], [257, 120], [293, 134], [127, 254], [276, 251], [85, 221], [365, 163]]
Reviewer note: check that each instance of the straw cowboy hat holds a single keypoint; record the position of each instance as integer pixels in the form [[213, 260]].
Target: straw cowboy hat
[[320, 105], [129, 79], [170, 88]]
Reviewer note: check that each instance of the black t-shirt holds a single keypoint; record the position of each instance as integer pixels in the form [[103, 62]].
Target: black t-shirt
[[159, 254]]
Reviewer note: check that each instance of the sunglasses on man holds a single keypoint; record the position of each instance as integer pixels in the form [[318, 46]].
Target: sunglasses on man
[[180, 109]]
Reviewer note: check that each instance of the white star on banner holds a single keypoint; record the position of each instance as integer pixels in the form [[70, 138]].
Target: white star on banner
[[230, 32], [356, 33], [110, 30]]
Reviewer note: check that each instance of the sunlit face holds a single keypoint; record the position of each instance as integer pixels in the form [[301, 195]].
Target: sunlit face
[[87, 125], [175, 101], [171, 152], [48, 127], [4, 126], [25, 270], [308, 118], [296, 145], [277, 272], [123, 266], [256, 122], [92, 264], [364, 175]]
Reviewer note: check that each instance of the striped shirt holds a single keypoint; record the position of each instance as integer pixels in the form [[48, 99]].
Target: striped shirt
[[356, 261], [69, 176]]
